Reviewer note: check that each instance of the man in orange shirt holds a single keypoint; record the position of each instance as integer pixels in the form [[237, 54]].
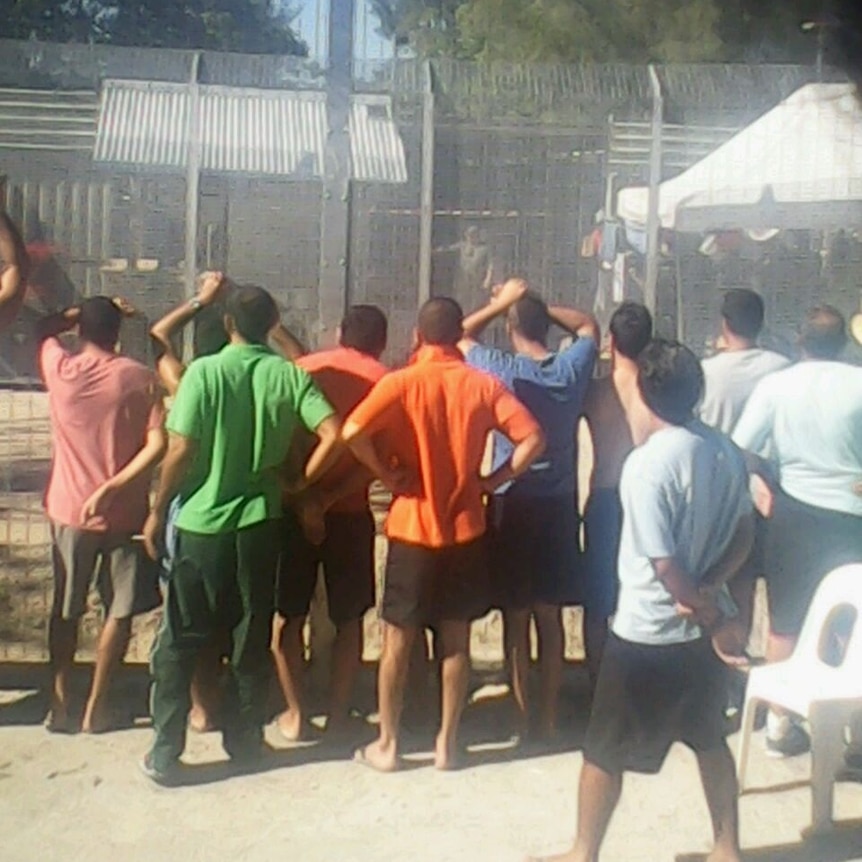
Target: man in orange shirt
[[422, 432], [331, 526]]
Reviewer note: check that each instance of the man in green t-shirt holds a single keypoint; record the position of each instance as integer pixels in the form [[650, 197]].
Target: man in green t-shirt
[[230, 429]]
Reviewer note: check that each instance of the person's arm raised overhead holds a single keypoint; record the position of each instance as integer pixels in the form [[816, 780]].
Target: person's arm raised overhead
[[14, 270], [168, 365], [502, 299], [581, 324]]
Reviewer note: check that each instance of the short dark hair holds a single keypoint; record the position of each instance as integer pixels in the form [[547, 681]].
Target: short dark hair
[[631, 328], [209, 332], [441, 321], [529, 317], [823, 335], [364, 328], [670, 380], [743, 312], [254, 312], [100, 321]]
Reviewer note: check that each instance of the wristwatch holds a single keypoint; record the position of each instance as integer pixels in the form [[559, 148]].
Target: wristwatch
[[195, 304]]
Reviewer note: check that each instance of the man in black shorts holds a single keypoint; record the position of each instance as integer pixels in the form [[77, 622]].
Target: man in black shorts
[[537, 558], [687, 528], [806, 421], [422, 431], [330, 525]]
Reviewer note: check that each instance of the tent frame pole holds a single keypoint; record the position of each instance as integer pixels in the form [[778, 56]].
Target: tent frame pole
[[653, 223]]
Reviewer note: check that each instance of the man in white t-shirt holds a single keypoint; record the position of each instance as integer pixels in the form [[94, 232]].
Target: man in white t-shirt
[[807, 420], [731, 375], [729, 379], [687, 528]]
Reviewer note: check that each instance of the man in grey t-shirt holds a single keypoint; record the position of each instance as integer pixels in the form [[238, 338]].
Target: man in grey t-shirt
[[731, 375], [687, 527]]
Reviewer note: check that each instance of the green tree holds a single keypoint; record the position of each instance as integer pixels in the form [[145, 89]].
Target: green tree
[[253, 26], [635, 31]]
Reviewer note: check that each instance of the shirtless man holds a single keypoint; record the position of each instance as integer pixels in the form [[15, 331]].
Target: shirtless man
[[209, 338], [605, 414], [14, 268]]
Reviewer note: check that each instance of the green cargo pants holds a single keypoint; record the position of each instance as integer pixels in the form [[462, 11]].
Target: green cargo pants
[[218, 583]]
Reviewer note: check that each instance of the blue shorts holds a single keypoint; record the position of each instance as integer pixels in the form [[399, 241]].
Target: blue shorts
[[603, 524]]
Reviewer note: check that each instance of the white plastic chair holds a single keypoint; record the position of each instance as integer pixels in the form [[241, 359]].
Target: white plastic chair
[[824, 694]]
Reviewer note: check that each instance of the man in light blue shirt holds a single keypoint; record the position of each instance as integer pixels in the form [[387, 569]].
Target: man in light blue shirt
[[687, 528], [536, 540], [807, 421]]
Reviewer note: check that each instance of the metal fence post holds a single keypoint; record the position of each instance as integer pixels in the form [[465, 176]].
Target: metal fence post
[[193, 176], [335, 209], [426, 194], [653, 222]]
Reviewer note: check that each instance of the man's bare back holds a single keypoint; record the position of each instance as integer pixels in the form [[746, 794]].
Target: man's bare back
[[609, 430]]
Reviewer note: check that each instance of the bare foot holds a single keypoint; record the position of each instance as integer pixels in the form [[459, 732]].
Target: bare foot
[[200, 721], [97, 718], [377, 757], [291, 726], [724, 856], [57, 720], [446, 757]]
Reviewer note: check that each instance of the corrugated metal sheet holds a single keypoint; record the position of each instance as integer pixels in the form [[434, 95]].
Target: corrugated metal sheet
[[243, 130], [262, 132], [47, 120], [143, 124], [376, 148]]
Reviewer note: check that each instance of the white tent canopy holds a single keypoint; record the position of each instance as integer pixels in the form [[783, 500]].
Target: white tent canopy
[[798, 166]]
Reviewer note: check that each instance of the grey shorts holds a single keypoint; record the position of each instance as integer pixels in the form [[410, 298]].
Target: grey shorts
[[118, 565]]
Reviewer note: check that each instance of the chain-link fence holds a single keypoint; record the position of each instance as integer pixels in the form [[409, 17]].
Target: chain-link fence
[[436, 178]]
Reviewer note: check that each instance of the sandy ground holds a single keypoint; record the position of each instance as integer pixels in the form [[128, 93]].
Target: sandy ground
[[82, 798]]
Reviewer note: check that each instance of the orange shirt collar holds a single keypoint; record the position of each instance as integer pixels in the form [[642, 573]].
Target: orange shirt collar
[[436, 353]]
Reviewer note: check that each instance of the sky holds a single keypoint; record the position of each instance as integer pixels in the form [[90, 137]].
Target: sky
[[312, 24]]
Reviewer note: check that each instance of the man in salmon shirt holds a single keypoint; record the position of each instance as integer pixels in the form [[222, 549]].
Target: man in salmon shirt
[[422, 432], [106, 424], [331, 526]]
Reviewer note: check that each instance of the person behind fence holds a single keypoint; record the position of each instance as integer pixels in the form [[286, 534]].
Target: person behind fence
[[804, 425], [330, 525], [14, 269], [422, 432], [206, 310], [106, 425], [687, 527], [537, 557], [605, 413], [229, 431]]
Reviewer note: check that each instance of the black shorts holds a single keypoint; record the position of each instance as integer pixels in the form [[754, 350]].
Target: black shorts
[[347, 557], [603, 525], [803, 544], [648, 697], [536, 551], [428, 586]]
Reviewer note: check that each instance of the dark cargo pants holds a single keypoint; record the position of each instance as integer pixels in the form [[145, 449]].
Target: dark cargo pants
[[218, 583]]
